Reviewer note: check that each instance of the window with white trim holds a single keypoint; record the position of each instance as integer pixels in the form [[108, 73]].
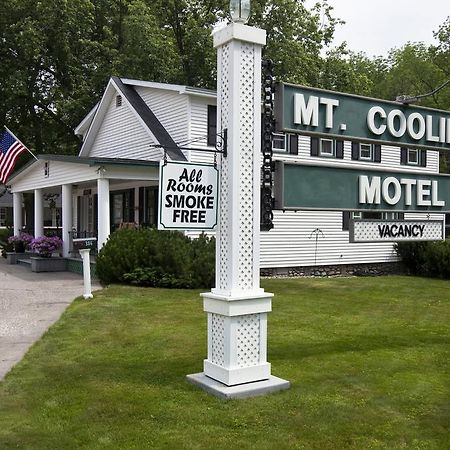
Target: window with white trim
[[363, 151], [413, 156], [366, 152], [279, 142], [327, 147]]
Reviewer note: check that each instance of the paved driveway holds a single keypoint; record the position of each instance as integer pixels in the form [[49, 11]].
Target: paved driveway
[[29, 304]]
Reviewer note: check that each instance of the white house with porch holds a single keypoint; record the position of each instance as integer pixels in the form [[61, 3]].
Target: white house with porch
[[114, 179]]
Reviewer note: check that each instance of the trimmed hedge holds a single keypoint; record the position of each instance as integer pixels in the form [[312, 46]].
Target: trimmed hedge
[[5, 233], [150, 257], [431, 259]]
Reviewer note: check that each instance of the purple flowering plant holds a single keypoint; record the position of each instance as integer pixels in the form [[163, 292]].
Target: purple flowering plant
[[44, 246], [21, 242]]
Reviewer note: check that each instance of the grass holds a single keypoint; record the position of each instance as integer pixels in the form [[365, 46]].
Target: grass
[[368, 359]]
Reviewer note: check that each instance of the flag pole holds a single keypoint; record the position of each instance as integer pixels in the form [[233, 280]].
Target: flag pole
[[29, 151]]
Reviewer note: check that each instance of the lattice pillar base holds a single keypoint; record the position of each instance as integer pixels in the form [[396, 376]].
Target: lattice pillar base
[[237, 338]]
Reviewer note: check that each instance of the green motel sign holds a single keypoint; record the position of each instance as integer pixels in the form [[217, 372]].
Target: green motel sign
[[302, 186], [317, 112]]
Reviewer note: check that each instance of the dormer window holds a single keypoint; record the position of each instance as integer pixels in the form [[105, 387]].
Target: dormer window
[[118, 101]]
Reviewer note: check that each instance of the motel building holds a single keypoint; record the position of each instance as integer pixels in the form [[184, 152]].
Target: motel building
[[113, 182]]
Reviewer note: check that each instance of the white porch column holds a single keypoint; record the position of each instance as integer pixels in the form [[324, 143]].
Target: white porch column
[[38, 213], [237, 307], [66, 217], [103, 227], [17, 212]]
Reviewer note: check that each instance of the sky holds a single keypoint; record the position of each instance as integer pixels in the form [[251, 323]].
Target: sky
[[376, 26]]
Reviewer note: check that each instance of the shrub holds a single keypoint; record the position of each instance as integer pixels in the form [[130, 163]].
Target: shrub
[[149, 257], [437, 259], [412, 255], [5, 246], [430, 259], [5, 233], [44, 246], [203, 260]]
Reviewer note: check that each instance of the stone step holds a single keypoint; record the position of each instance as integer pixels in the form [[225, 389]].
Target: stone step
[[24, 262]]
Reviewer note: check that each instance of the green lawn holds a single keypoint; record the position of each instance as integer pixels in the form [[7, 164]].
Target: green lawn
[[368, 359]]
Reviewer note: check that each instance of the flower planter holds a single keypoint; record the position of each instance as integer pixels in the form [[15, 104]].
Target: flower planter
[[13, 257], [52, 264]]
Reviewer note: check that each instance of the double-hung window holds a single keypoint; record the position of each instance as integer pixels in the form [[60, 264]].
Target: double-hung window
[[413, 157], [365, 152], [327, 148], [285, 143], [362, 151], [279, 142]]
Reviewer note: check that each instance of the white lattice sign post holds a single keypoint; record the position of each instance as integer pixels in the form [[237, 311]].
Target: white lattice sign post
[[236, 365]]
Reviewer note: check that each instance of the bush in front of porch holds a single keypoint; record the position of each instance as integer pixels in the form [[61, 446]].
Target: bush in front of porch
[[150, 257], [5, 246]]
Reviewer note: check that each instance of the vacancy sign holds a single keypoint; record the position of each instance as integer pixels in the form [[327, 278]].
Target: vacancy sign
[[395, 231], [188, 196]]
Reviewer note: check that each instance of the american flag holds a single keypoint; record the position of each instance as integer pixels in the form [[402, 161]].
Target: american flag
[[10, 149]]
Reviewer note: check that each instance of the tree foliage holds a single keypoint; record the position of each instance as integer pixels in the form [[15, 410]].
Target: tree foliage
[[57, 56]]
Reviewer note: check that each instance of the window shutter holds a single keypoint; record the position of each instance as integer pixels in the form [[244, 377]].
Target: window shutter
[[79, 214], [403, 155], [339, 149], [377, 153], [345, 220], [423, 158], [212, 125], [9, 216], [141, 205], [95, 213], [314, 146], [355, 150], [293, 144]]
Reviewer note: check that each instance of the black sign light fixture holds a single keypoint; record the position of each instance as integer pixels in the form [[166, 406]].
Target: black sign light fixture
[[240, 10]]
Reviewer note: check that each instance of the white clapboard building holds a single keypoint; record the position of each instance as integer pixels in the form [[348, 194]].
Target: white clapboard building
[[113, 181]]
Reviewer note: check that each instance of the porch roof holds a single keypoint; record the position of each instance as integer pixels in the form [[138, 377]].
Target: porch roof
[[94, 161], [73, 169], [90, 161]]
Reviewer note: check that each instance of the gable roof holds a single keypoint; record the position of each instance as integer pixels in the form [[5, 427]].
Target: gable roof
[[181, 89], [142, 112], [150, 120]]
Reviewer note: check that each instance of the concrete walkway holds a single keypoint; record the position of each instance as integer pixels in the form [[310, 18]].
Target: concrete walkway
[[29, 304]]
